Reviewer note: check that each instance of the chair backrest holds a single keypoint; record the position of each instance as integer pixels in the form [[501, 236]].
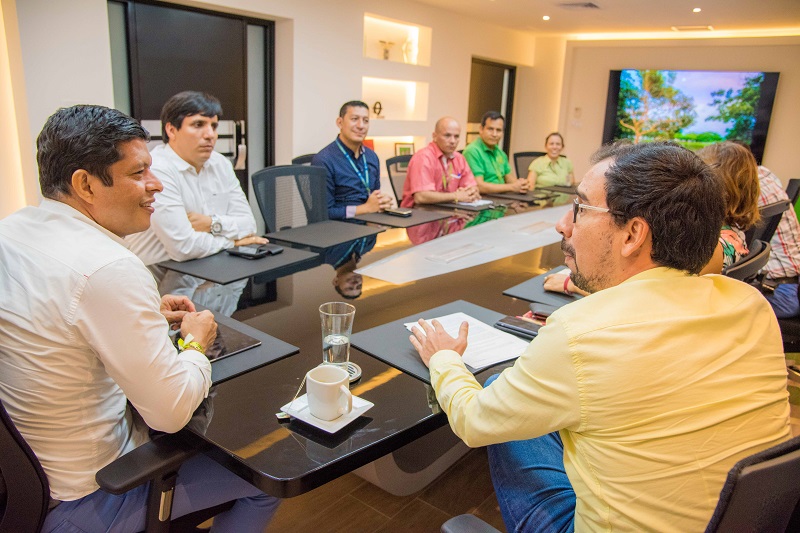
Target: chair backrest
[[522, 160], [291, 196], [746, 268], [793, 190], [771, 215], [761, 492], [397, 168], [27, 493], [304, 159]]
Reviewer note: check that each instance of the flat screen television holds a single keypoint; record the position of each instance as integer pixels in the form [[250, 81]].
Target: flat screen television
[[694, 108]]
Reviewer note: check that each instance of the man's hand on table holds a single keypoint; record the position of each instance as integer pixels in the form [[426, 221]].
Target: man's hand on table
[[250, 239], [520, 186], [174, 308], [376, 202], [468, 194], [428, 339], [201, 326]]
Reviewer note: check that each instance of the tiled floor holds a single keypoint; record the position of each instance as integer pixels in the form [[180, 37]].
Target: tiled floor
[[350, 504]]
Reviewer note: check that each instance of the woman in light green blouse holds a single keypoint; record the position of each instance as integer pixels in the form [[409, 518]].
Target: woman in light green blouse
[[552, 168]]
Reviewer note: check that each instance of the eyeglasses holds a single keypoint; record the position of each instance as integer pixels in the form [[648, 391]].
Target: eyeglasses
[[577, 207]]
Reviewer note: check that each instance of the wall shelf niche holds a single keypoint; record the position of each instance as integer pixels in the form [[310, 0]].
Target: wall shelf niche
[[399, 99], [398, 41]]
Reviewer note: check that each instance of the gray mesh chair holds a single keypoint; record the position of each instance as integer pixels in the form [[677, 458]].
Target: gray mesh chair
[[770, 218], [291, 196], [793, 190], [303, 159], [397, 168], [522, 160], [748, 267]]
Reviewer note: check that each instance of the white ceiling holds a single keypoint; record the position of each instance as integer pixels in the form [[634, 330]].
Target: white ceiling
[[749, 16]]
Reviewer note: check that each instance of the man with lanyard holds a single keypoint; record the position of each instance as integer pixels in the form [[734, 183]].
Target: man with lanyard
[[354, 180], [437, 173], [488, 162]]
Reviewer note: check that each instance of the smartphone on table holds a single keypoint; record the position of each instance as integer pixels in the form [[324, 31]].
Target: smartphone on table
[[398, 212], [255, 251]]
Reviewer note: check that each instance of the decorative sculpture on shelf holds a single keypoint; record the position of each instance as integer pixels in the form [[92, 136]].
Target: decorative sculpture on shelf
[[387, 45], [377, 108]]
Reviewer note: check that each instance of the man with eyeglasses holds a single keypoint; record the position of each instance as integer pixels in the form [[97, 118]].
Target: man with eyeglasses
[[630, 406]]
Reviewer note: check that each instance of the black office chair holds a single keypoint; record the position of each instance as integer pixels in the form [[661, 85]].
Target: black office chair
[[793, 190], [25, 492], [522, 160], [770, 218], [748, 267], [291, 196], [760, 495], [397, 168], [303, 159]]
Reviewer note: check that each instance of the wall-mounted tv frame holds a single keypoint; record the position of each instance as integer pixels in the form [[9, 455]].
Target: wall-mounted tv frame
[[694, 108]]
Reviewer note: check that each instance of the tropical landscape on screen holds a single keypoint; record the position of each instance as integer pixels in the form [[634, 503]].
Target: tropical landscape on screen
[[693, 108]]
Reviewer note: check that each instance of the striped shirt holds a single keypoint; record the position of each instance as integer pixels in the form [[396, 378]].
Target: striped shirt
[[784, 259]]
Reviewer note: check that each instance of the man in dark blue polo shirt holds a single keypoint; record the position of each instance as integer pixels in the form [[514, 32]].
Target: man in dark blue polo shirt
[[354, 180]]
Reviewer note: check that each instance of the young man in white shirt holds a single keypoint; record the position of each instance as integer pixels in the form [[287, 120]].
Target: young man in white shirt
[[83, 332], [202, 208]]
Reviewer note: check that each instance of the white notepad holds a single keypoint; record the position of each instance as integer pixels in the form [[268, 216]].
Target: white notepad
[[486, 346]]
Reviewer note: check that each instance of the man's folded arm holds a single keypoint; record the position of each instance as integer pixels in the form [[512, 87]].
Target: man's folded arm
[[171, 225]]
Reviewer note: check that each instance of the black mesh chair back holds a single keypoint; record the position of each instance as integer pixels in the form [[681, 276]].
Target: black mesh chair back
[[770, 218], [27, 494], [793, 190], [761, 492], [748, 267], [397, 168], [522, 160], [291, 196], [303, 159]]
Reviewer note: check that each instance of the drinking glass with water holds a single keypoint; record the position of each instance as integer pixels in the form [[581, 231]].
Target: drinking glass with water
[[337, 325]]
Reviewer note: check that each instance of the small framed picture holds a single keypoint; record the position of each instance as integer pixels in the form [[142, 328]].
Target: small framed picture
[[403, 149], [471, 136]]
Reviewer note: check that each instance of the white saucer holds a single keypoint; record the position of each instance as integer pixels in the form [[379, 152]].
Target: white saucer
[[299, 409]]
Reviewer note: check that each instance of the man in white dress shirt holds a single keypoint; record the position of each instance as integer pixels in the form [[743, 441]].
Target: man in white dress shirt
[[202, 208], [83, 332]]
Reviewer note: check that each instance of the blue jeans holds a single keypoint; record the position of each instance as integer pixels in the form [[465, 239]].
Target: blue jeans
[[531, 484], [784, 300], [201, 483]]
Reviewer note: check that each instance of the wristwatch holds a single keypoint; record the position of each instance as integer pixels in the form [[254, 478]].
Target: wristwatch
[[216, 225]]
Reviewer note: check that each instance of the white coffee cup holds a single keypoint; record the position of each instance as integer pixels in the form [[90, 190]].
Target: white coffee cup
[[328, 394]]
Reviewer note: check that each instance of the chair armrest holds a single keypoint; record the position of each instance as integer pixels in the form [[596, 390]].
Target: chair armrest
[[467, 523], [149, 461]]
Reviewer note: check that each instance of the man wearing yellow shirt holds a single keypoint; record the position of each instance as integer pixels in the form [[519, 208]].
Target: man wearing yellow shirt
[[631, 405]]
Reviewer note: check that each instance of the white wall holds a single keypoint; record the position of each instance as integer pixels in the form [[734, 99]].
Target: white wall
[[319, 61], [325, 41], [586, 84], [64, 49]]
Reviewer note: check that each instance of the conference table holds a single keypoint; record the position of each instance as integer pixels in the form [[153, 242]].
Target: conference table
[[239, 427]]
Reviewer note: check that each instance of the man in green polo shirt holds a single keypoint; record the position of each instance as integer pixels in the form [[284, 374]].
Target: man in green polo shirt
[[488, 162]]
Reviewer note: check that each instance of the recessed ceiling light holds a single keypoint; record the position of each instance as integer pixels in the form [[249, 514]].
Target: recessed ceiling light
[[545, 17], [696, 10]]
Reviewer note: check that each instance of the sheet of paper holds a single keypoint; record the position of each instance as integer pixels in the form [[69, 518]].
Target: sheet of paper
[[486, 345], [477, 203]]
